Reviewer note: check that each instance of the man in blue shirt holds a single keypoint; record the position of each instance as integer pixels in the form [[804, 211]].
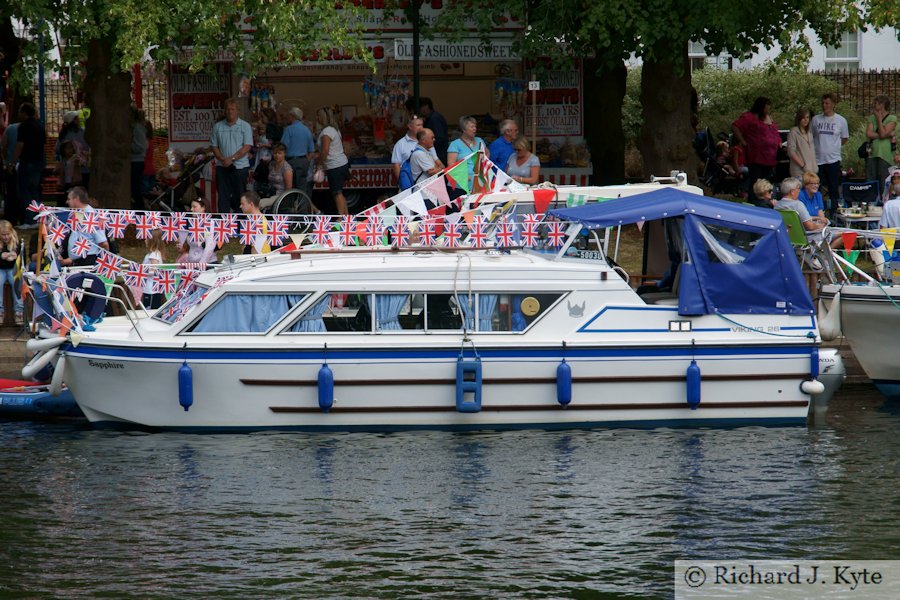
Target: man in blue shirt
[[231, 141], [298, 144], [502, 148]]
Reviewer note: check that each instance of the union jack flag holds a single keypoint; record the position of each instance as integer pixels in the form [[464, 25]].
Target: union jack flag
[[532, 219], [171, 227], [428, 235], [136, 275], [277, 230], [82, 247], [36, 207], [506, 234], [452, 235], [91, 222], [143, 226], [530, 235], [322, 230], [348, 231], [196, 229], [222, 231], [107, 264], [250, 229], [165, 281], [58, 232], [229, 221], [116, 224], [187, 278], [556, 234], [129, 216], [374, 232], [400, 233], [477, 236], [73, 221]]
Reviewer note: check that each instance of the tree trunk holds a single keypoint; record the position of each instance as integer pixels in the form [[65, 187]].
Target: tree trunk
[[604, 93], [9, 56], [107, 93], [665, 140]]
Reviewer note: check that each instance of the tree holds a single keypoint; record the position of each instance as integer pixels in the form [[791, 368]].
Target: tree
[[108, 37], [658, 32]]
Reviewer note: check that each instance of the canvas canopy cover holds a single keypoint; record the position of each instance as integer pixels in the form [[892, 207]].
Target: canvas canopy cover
[[737, 259]]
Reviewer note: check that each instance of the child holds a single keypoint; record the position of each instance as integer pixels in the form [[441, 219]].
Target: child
[[153, 297], [723, 157], [69, 170], [9, 252]]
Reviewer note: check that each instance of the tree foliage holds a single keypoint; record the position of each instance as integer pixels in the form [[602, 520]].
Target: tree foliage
[[259, 34]]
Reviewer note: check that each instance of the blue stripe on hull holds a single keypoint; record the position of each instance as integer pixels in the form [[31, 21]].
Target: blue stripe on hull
[[357, 354], [889, 388], [651, 424]]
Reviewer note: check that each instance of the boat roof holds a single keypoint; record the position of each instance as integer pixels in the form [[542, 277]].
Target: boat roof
[[666, 203]]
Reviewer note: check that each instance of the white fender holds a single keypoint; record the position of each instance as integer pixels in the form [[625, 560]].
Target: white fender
[[56, 382], [39, 361], [830, 323], [811, 387], [41, 344]]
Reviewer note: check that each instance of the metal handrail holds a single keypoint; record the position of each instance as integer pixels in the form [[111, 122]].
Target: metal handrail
[[92, 294]]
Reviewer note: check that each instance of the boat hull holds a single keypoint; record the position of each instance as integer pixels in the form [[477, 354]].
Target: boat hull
[[870, 319], [387, 389]]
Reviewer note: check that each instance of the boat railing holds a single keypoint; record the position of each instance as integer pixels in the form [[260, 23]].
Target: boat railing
[[127, 309]]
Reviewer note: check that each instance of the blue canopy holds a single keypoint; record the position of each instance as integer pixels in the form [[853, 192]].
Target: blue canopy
[[666, 203], [737, 258]]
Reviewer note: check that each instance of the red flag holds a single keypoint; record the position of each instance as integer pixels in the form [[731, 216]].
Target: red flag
[[542, 200], [849, 238]]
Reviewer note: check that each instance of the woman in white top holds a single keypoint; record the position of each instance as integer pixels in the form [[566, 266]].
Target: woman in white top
[[331, 156], [800, 147], [523, 165]]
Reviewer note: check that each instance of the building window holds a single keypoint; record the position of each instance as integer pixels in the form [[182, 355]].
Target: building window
[[699, 59], [845, 56]]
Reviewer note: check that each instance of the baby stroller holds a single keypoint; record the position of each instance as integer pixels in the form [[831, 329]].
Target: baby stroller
[[175, 188], [713, 175]]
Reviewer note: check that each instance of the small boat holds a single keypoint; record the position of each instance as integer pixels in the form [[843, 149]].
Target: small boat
[[21, 399], [868, 316], [475, 338]]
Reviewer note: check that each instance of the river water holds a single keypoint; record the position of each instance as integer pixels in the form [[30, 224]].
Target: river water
[[530, 514]]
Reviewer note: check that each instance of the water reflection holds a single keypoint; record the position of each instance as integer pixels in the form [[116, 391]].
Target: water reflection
[[513, 514]]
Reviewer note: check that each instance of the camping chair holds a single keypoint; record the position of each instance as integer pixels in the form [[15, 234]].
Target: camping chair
[[859, 192], [814, 255]]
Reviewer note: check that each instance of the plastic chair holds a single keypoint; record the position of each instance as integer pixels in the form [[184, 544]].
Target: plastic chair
[[811, 253]]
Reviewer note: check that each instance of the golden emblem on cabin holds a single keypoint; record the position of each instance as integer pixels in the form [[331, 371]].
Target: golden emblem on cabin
[[530, 306]]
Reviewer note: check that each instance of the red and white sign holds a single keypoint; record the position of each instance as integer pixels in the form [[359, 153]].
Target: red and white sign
[[559, 104], [195, 101]]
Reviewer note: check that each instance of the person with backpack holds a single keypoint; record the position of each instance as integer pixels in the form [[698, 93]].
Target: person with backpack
[[422, 163], [405, 145]]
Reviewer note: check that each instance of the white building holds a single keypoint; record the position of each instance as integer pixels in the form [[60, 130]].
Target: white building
[[859, 51]]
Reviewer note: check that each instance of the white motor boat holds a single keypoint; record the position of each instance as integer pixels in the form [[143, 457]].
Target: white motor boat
[[446, 338], [868, 316]]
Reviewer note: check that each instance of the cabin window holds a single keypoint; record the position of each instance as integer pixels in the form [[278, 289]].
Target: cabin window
[[515, 312], [336, 313], [181, 303], [442, 312], [349, 312], [726, 245], [246, 313]]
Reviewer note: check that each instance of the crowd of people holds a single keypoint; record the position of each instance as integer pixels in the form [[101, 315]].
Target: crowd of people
[[814, 144]]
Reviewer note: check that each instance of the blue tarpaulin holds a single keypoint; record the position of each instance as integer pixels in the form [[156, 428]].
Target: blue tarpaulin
[[738, 260]]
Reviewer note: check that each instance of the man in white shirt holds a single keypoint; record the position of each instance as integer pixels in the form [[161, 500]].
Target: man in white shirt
[[890, 216], [830, 132], [405, 145]]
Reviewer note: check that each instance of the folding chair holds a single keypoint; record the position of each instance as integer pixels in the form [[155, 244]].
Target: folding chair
[[815, 255], [859, 192]]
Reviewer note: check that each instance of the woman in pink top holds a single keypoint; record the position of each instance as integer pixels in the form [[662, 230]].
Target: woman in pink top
[[758, 134]]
